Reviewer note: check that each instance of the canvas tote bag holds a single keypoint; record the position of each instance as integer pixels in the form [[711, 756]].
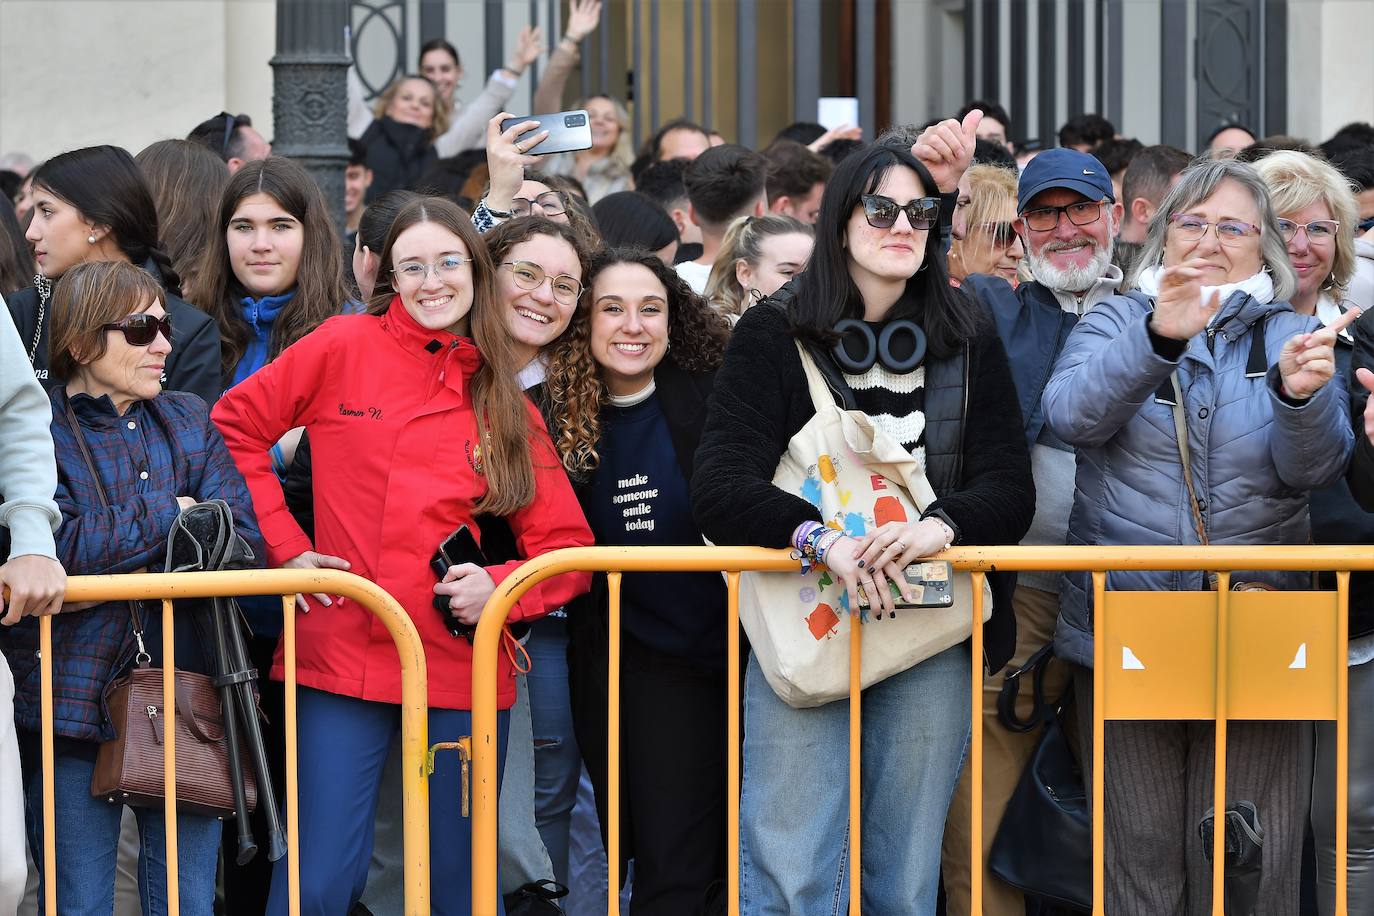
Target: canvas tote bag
[[798, 625]]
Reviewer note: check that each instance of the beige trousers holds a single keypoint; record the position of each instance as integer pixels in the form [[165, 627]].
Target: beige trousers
[[1005, 755]]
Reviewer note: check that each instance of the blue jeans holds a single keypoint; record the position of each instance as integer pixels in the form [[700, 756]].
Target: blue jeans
[[342, 745], [557, 759], [794, 809], [87, 843]]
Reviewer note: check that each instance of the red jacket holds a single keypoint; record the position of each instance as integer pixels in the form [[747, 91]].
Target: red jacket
[[393, 438]]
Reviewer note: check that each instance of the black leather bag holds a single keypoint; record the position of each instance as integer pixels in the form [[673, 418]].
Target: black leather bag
[[1044, 844]]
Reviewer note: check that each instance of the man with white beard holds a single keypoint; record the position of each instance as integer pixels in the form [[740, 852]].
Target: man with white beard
[[1068, 218]]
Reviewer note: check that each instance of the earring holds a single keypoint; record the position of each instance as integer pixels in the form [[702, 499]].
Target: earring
[[91, 238]]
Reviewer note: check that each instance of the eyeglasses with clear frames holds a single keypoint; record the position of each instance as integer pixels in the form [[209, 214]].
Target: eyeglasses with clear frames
[[530, 276], [1228, 231], [551, 202], [413, 273], [1318, 231]]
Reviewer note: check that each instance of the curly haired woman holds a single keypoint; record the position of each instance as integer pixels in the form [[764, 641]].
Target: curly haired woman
[[630, 382]]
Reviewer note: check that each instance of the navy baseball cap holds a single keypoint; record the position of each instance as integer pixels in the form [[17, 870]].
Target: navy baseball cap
[[1064, 168]]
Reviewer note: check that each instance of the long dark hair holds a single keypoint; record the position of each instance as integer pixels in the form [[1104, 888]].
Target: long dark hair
[[186, 179], [503, 419], [826, 293], [106, 188], [320, 289], [16, 258], [697, 335]]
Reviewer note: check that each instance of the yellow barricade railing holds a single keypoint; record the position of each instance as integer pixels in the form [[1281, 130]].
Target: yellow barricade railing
[[1180, 655], [284, 582]]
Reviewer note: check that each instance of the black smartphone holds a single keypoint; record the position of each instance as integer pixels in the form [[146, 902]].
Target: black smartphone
[[568, 131], [459, 547]]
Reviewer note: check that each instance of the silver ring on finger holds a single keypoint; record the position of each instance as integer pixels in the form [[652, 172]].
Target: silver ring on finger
[[900, 545]]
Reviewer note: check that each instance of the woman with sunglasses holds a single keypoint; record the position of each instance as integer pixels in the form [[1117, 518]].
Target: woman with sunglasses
[[1202, 412], [877, 262], [152, 454], [989, 244], [93, 204], [630, 382], [417, 425], [1316, 215]]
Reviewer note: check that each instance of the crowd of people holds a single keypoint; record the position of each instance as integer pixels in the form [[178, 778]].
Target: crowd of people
[[1099, 343]]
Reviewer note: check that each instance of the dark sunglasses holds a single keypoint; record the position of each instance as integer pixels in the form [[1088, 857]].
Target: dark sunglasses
[[142, 329], [230, 121], [1000, 234], [881, 212]]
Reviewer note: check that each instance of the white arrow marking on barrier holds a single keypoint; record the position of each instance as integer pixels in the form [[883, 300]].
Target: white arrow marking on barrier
[[1300, 660], [1129, 662]]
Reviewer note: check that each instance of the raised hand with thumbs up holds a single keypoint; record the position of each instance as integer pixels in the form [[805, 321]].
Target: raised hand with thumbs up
[[946, 149]]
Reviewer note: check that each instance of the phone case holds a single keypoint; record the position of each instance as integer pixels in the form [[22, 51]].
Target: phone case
[[568, 131], [932, 582]]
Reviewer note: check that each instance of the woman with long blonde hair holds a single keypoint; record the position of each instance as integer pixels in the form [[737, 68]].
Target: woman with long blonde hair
[[758, 255]]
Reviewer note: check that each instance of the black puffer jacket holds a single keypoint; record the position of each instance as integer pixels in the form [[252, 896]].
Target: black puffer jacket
[[192, 366]]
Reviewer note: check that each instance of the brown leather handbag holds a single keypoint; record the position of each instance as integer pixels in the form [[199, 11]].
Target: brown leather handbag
[[129, 767]]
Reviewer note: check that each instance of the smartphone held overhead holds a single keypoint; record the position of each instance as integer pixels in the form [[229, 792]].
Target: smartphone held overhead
[[569, 131]]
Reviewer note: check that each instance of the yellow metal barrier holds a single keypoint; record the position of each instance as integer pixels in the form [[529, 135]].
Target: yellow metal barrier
[[1211, 655], [285, 582]]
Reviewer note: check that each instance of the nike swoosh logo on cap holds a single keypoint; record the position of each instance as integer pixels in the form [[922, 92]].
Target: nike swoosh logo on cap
[[1089, 172]]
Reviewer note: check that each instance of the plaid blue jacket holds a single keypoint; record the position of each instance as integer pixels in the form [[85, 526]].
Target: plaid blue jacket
[[158, 450]]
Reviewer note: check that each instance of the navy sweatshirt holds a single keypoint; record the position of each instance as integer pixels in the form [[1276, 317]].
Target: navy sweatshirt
[[639, 496]]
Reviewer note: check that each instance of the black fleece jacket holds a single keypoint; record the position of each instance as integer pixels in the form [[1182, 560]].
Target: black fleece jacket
[[761, 401]]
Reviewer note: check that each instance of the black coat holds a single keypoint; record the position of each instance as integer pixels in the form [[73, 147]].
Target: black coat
[[192, 366], [683, 396], [398, 154], [1359, 526], [977, 459]]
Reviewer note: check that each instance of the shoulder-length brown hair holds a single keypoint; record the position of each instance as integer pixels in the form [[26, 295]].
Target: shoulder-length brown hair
[[320, 289], [503, 418], [187, 179], [697, 335], [88, 297]]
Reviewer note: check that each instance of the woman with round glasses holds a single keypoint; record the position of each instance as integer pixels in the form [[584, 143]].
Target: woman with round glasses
[[152, 455], [630, 383], [877, 264], [417, 425], [1317, 214], [1201, 407], [989, 244]]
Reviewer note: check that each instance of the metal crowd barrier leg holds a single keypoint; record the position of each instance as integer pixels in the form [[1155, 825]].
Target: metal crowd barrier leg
[[1098, 815], [293, 777], [1219, 770], [732, 718], [49, 795], [976, 751], [856, 691], [613, 875], [1342, 737], [169, 759]]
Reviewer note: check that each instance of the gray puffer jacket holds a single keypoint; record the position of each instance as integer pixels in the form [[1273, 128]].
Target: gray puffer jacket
[[1255, 457]]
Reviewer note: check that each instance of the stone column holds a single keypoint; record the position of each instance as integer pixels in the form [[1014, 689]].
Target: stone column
[[310, 95]]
